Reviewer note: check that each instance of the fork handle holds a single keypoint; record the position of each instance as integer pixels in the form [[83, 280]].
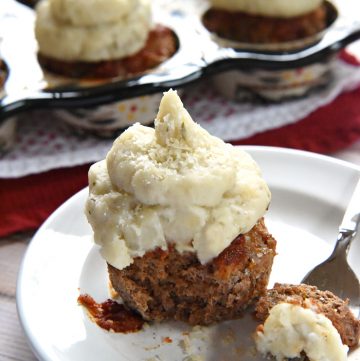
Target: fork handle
[[343, 243]]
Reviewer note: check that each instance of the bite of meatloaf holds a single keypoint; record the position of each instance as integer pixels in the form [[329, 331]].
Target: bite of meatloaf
[[325, 302], [168, 285], [161, 44], [242, 27]]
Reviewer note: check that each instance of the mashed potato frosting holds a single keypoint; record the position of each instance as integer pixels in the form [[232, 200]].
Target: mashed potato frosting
[[291, 329], [172, 184], [93, 30], [90, 12], [271, 8]]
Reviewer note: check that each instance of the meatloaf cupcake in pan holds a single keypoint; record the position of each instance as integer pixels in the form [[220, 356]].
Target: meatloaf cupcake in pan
[[271, 26], [102, 41], [302, 319], [266, 22], [178, 215]]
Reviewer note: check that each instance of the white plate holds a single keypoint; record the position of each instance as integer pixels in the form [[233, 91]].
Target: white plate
[[310, 193]]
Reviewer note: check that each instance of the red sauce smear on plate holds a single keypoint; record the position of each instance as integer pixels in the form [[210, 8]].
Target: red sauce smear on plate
[[167, 340], [111, 315]]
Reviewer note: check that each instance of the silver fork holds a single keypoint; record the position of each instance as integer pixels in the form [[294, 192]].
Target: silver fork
[[335, 274]]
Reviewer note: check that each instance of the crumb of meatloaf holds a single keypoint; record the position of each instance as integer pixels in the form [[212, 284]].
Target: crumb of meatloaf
[[161, 44], [242, 27], [169, 285], [324, 302]]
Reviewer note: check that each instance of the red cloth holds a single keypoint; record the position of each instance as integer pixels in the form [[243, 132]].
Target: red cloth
[[26, 202], [328, 129]]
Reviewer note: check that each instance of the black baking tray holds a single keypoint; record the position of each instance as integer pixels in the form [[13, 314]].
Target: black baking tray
[[200, 54]]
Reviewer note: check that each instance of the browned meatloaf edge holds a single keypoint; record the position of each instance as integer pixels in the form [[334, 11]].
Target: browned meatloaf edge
[[242, 27], [334, 308], [161, 44], [168, 285]]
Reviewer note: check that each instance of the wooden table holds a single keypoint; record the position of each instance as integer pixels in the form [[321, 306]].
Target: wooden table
[[13, 345]]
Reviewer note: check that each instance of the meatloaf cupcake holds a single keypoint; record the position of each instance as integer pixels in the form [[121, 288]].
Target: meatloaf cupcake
[[178, 215], [100, 38], [302, 319], [265, 21]]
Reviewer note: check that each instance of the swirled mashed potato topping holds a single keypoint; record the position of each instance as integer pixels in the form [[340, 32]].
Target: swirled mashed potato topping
[[172, 184], [90, 12], [92, 30], [271, 8], [291, 329]]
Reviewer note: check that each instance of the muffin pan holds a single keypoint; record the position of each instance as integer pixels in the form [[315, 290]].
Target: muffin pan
[[200, 54]]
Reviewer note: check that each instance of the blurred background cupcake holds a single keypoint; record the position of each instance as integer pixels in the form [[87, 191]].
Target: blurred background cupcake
[[100, 38], [276, 26]]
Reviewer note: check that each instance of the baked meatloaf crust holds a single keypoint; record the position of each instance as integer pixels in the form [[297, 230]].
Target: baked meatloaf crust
[[242, 27], [169, 285], [161, 44], [325, 302]]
